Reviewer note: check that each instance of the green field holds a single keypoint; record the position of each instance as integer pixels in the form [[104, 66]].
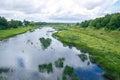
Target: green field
[[14, 31], [103, 47]]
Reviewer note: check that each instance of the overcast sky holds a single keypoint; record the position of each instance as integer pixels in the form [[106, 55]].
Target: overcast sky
[[57, 10]]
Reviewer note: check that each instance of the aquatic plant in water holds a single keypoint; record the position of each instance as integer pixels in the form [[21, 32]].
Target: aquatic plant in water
[[4, 70], [46, 67], [45, 42], [83, 57], [60, 62], [69, 74]]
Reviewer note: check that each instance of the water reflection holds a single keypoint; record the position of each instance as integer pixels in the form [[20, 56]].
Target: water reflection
[[21, 62], [24, 53], [87, 74]]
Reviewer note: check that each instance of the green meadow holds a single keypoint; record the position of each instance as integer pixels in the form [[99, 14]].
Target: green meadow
[[102, 45], [14, 31]]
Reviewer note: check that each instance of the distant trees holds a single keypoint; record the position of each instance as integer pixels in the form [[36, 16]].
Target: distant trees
[[111, 22], [26, 23], [114, 22], [85, 23], [4, 24], [15, 23], [42, 23]]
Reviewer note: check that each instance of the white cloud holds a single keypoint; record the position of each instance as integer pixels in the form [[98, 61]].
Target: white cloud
[[54, 10]]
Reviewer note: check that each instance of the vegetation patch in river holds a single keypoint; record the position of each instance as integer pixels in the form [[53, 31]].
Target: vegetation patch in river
[[83, 57], [46, 67], [60, 62], [45, 42], [69, 74], [4, 70], [2, 77], [31, 43]]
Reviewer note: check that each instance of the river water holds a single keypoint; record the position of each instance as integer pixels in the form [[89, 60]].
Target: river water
[[23, 53]]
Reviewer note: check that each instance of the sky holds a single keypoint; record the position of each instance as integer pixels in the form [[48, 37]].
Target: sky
[[57, 10]]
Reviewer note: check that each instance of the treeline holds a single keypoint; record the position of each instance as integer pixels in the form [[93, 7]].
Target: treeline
[[51, 23], [111, 22], [5, 24]]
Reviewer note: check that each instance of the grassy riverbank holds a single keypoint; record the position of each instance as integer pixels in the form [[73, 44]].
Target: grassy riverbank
[[14, 31], [103, 47]]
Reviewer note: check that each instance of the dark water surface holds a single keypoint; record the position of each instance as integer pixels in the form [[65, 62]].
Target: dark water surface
[[23, 53]]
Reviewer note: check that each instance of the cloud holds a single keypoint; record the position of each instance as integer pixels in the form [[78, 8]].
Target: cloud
[[55, 10]]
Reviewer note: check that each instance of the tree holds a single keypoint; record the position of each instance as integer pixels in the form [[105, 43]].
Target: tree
[[85, 23], [3, 23], [111, 22], [26, 23], [97, 23], [105, 20], [32, 23], [15, 23], [77, 24], [114, 22]]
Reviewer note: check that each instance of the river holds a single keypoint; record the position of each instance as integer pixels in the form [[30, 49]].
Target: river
[[23, 53]]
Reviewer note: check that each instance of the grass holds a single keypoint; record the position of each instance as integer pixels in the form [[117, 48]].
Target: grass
[[14, 31], [103, 47], [69, 74]]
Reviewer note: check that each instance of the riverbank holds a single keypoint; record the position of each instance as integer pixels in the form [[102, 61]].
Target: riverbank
[[14, 31], [103, 47]]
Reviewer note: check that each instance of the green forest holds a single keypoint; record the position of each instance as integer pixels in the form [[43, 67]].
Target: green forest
[[109, 21], [5, 24]]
